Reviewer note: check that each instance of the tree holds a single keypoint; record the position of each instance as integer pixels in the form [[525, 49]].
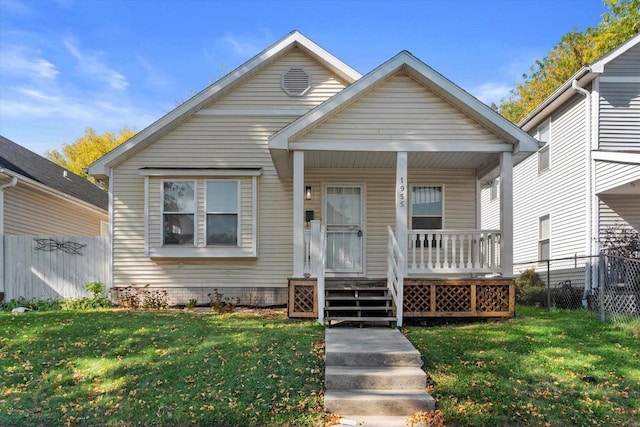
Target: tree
[[87, 149], [574, 51]]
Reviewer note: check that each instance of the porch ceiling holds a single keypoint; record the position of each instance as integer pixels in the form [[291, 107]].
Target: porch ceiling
[[429, 160]]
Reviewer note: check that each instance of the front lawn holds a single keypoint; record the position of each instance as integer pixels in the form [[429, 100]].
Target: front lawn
[[559, 368], [178, 368], [169, 368]]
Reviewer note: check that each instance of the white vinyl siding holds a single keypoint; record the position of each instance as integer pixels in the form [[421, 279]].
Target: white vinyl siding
[[264, 90], [400, 109], [28, 210], [610, 175], [619, 210], [560, 192], [625, 65], [619, 127]]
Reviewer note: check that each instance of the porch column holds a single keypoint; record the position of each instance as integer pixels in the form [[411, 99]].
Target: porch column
[[298, 213], [401, 204], [506, 213]]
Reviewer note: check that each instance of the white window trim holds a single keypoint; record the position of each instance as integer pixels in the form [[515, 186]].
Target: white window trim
[[548, 239], [195, 212], [199, 250], [238, 212], [412, 186], [546, 148]]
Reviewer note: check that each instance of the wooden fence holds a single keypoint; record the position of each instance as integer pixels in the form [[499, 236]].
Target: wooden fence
[[51, 267]]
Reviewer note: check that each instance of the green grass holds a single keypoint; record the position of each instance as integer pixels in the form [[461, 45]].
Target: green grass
[[554, 368], [169, 368], [179, 368]]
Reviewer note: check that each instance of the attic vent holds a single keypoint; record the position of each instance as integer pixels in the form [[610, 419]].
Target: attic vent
[[296, 81]]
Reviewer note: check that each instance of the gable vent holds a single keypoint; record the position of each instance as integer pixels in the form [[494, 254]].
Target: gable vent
[[296, 81]]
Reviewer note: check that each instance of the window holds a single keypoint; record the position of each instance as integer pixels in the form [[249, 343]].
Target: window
[[427, 208], [222, 212], [178, 212], [495, 186], [543, 238], [544, 135]]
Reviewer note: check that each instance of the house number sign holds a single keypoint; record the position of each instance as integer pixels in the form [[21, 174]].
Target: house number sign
[[402, 192]]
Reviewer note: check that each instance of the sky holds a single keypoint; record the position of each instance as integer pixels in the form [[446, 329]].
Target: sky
[[66, 65]]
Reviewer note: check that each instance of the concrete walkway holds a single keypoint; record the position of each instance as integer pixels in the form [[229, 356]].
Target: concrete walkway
[[373, 376]]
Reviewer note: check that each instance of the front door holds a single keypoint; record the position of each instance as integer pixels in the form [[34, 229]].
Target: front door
[[343, 213]]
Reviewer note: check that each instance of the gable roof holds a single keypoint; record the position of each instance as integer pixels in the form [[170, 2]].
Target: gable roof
[[427, 76], [100, 168], [28, 164], [583, 77]]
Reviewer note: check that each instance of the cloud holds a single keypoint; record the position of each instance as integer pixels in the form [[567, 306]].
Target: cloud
[[491, 92], [15, 6], [154, 76], [91, 64], [244, 47], [23, 61]]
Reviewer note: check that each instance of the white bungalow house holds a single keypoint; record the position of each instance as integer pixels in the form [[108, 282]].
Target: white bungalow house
[[294, 178], [586, 177]]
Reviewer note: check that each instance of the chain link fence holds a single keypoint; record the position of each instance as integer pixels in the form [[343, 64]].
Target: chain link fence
[[574, 283]]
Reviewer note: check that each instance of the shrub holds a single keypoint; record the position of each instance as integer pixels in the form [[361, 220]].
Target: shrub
[[191, 304], [85, 303], [530, 288], [94, 288], [134, 298], [158, 300], [221, 304]]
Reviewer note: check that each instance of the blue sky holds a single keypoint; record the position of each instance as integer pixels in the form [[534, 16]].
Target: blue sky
[[69, 64]]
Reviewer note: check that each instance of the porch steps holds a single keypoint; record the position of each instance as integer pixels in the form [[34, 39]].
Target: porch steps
[[359, 301], [373, 371]]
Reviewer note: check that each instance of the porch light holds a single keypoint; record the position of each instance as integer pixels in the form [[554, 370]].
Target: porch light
[[307, 193]]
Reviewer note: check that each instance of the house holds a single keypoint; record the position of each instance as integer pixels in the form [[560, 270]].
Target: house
[[43, 198], [38, 197], [294, 171], [586, 177]]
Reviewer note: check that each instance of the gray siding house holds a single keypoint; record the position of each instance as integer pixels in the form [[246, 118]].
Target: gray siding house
[[586, 175]]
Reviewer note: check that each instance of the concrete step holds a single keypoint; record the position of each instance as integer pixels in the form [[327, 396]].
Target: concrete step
[[376, 378], [369, 347], [377, 402]]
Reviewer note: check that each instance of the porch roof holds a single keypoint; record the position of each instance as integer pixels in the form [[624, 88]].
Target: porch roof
[[445, 154]]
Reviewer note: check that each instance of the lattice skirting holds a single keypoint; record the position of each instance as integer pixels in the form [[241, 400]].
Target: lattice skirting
[[459, 298], [303, 300]]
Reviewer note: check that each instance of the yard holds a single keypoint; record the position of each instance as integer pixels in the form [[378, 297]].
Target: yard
[[259, 368]]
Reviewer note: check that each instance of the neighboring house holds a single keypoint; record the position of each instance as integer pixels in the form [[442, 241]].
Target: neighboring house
[[241, 187], [586, 176], [38, 197], [46, 198]]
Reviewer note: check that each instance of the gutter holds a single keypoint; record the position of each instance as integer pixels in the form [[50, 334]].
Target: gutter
[[588, 170], [10, 184]]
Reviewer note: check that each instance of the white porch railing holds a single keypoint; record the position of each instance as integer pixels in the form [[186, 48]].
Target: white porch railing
[[395, 273], [454, 251], [315, 248]]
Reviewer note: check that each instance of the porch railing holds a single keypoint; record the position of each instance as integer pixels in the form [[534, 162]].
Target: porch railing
[[454, 251], [395, 273]]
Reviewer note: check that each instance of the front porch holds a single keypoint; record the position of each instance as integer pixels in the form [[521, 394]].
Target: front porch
[[446, 273]]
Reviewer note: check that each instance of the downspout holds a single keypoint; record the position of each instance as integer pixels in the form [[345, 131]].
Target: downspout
[[575, 86], [12, 183]]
